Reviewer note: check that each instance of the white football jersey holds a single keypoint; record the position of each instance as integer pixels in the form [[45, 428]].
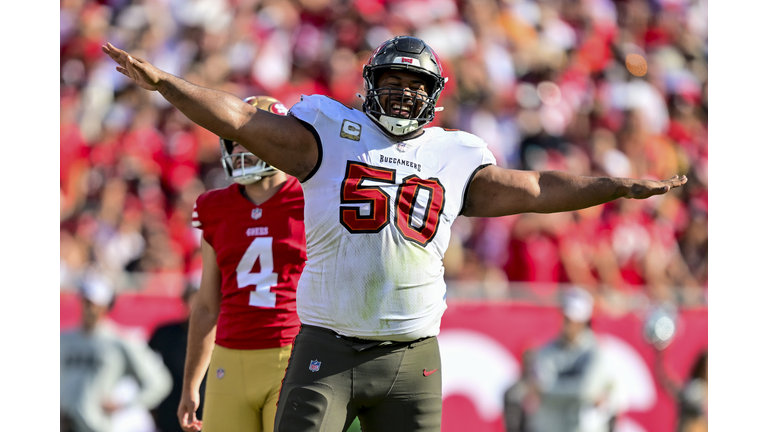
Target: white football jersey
[[378, 215]]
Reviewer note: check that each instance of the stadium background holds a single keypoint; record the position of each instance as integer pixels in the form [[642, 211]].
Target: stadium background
[[544, 83]]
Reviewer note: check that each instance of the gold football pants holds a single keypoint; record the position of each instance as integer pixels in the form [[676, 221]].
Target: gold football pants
[[242, 389]]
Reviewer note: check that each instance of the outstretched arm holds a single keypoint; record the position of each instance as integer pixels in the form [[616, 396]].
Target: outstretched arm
[[281, 141], [497, 191], [202, 333]]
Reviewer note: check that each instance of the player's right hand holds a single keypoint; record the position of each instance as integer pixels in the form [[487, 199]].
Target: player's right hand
[[187, 412], [140, 71]]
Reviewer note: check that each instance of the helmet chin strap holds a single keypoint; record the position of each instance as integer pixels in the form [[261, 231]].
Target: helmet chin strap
[[397, 126], [247, 180]]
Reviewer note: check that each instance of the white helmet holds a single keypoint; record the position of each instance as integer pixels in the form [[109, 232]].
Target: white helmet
[[247, 175]]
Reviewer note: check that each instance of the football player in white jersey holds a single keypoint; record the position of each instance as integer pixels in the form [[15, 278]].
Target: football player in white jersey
[[381, 192]]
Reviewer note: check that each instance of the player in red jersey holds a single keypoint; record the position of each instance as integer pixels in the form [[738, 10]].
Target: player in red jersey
[[244, 320]]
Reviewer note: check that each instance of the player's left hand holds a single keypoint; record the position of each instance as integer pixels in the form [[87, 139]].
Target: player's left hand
[[641, 189]]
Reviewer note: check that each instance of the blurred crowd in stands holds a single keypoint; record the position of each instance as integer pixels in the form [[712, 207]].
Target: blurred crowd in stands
[[544, 83]]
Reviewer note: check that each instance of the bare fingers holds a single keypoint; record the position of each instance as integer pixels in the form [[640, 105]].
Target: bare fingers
[[675, 182], [123, 58], [678, 181], [116, 54], [123, 71], [667, 185], [139, 71], [646, 189], [191, 423]]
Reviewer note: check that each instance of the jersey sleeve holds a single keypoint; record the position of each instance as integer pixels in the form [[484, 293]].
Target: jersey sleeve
[[202, 218], [471, 141], [307, 109], [480, 156], [196, 216], [487, 158]]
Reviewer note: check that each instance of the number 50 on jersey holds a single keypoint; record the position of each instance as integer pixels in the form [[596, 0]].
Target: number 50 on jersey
[[418, 204]]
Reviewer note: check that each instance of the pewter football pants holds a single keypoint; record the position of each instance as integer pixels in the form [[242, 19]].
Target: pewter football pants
[[332, 379]]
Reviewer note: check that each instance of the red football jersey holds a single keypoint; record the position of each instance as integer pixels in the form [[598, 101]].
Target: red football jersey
[[261, 251]]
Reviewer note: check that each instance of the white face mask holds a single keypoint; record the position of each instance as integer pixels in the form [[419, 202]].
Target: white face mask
[[239, 172], [246, 174]]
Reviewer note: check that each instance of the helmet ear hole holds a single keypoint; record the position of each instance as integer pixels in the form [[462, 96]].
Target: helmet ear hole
[[430, 84]]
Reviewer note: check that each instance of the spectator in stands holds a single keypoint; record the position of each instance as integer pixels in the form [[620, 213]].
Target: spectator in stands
[[694, 245], [534, 254], [96, 356], [73, 158]]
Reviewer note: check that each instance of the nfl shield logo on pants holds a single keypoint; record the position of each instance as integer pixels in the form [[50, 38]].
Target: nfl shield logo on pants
[[314, 365]]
